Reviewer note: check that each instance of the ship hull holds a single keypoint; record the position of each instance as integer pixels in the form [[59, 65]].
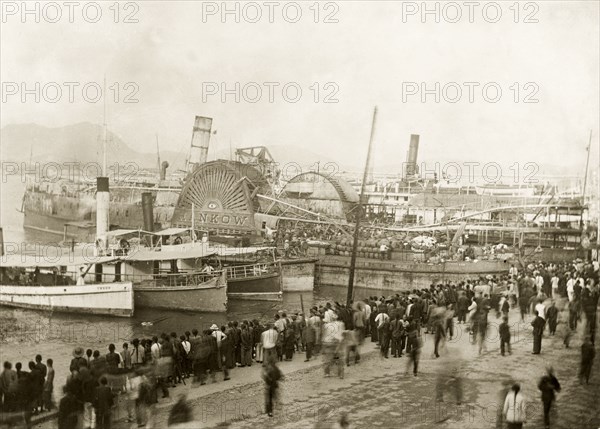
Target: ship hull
[[113, 299], [298, 275], [210, 296], [260, 288], [56, 226], [402, 276]]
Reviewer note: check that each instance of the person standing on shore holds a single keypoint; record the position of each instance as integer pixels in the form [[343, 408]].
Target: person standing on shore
[[68, 410], [461, 307], [587, 359], [538, 329], [269, 342], [385, 335], [137, 353], [125, 357], [219, 336], [413, 347], [47, 402], [103, 402], [310, 335], [246, 345], [332, 337], [78, 360], [271, 375], [552, 318], [397, 328], [438, 323], [548, 385], [8, 387], [504, 332], [88, 393], [514, 410], [36, 386]]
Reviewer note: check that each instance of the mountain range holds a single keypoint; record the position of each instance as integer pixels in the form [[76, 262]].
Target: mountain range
[[82, 143]]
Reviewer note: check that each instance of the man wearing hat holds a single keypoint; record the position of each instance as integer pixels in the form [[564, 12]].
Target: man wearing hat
[[78, 359], [219, 336]]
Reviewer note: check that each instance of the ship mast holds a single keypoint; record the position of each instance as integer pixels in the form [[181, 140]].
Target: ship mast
[[158, 154], [587, 164], [598, 207], [350, 294]]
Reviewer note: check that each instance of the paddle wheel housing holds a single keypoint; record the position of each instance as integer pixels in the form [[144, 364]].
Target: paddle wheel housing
[[223, 196], [321, 193]]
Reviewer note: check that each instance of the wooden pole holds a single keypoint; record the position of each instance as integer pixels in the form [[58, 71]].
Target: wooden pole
[[350, 294], [587, 164]]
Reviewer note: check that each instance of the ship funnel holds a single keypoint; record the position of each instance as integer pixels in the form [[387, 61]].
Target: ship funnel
[[163, 170], [413, 150], [102, 212], [148, 211], [200, 141]]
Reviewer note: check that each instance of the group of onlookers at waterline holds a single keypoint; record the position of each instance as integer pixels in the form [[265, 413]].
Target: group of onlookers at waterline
[[144, 368]]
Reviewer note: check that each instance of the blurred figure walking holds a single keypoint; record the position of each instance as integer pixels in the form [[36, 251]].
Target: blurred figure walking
[[548, 385], [271, 375], [514, 408]]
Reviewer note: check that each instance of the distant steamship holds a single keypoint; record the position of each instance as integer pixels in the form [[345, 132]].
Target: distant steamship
[[67, 208]]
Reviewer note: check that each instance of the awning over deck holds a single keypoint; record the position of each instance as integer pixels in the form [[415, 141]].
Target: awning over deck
[[49, 261]]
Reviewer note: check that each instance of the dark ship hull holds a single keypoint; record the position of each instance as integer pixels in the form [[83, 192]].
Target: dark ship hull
[[73, 216]]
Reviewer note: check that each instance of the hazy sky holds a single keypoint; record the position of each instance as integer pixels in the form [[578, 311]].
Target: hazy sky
[[369, 56]]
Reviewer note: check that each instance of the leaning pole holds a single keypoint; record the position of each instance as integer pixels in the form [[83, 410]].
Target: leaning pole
[[350, 294]]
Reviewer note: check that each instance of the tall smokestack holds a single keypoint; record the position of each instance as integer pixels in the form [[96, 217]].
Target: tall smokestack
[[163, 170], [1, 243], [148, 211], [413, 151], [200, 141], [102, 211]]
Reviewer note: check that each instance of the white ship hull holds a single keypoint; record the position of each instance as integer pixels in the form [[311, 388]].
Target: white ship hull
[[114, 299]]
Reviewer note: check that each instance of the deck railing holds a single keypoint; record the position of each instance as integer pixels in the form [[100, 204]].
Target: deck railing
[[69, 278], [252, 270]]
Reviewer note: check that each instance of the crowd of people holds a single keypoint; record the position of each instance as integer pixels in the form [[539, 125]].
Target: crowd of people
[[26, 393], [145, 368]]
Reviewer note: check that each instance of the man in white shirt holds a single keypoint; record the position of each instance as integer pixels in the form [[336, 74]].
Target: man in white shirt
[[187, 346], [329, 315], [207, 269], [571, 288], [409, 308], [554, 282], [381, 319], [269, 341], [539, 283], [279, 324], [541, 309], [155, 349], [81, 278], [478, 289], [367, 309], [383, 250]]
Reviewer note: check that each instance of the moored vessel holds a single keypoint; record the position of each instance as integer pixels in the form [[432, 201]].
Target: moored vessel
[[57, 285]]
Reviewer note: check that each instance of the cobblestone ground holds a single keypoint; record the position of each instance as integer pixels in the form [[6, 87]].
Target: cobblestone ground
[[378, 394]]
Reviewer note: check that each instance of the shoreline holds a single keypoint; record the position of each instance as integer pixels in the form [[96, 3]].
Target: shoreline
[[239, 401]]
